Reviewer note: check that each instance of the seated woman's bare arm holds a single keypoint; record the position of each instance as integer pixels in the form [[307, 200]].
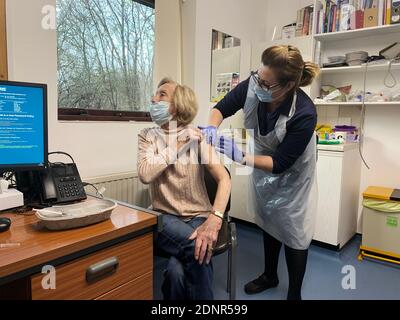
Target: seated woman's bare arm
[[219, 173], [207, 234]]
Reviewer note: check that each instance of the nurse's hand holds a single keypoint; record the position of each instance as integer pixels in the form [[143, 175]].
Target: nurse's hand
[[189, 135], [228, 147], [210, 134], [206, 238]]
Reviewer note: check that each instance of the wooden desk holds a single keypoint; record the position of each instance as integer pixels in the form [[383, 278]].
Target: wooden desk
[[126, 237]]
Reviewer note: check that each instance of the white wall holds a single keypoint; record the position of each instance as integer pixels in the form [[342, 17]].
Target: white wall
[[381, 148], [189, 20], [168, 42], [245, 20]]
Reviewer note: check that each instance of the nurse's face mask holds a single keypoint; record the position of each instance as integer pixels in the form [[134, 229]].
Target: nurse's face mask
[[263, 90], [268, 91]]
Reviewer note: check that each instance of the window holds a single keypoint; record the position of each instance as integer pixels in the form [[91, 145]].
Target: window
[[105, 59]]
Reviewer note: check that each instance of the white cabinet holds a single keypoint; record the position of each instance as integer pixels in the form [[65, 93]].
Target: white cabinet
[[338, 176]]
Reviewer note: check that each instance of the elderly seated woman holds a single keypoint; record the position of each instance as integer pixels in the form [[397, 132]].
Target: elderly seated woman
[[168, 160]]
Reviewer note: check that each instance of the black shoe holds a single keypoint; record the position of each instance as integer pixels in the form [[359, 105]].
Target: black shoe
[[260, 284]]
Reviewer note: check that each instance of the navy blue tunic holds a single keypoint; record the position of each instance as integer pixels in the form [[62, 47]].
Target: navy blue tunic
[[300, 128]]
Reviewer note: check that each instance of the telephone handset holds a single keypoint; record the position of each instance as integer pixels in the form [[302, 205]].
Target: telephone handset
[[49, 192], [61, 183]]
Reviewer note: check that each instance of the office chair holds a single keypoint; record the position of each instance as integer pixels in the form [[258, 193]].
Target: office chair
[[227, 240]]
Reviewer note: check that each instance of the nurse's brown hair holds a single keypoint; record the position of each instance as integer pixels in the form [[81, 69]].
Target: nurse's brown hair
[[288, 65]]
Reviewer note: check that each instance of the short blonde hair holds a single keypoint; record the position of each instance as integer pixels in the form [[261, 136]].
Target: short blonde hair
[[184, 100], [165, 81]]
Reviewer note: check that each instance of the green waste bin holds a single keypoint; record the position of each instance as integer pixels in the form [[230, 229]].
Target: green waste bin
[[381, 224]]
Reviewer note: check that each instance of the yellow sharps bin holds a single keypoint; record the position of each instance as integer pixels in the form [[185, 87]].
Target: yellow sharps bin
[[381, 225]]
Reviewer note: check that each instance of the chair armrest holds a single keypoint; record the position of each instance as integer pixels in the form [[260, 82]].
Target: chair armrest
[[233, 234]]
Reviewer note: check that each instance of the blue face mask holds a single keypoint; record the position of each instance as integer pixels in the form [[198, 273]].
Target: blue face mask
[[263, 95], [159, 113]]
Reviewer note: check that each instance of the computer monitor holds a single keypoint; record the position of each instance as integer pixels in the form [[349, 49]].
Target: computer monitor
[[23, 126]]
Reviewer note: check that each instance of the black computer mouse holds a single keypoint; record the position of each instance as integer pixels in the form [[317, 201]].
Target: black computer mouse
[[5, 224]]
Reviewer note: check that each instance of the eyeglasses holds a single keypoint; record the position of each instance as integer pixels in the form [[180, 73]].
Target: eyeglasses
[[262, 83]]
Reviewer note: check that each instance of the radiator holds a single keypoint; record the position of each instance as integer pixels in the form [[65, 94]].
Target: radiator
[[124, 187]]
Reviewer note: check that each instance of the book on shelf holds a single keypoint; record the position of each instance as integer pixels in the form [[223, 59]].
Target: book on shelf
[[304, 22], [310, 29], [299, 22], [346, 13], [388, 11], [343, 15]]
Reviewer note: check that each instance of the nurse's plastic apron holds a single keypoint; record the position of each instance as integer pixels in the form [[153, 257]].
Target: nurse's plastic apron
[[285, 204]]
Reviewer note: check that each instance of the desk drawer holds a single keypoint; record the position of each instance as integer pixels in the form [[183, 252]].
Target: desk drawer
[[139, 289], [134, 257]]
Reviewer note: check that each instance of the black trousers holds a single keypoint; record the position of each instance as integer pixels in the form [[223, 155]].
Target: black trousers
[[296, 261]]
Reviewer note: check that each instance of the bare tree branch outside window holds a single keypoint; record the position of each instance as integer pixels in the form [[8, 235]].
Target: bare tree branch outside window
[[105, 55]]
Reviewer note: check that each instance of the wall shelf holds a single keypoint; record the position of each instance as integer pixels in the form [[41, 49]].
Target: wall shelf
[[351, 34], [391, 103], [359, 69]]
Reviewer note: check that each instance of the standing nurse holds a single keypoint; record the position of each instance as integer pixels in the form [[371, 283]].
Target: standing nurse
[[282, 119]]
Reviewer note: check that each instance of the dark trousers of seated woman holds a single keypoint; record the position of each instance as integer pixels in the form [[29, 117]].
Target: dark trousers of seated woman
[[185, 278], [296, 261]]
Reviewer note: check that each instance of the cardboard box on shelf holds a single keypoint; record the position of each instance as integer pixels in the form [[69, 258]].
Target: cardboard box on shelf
[[289, 32]]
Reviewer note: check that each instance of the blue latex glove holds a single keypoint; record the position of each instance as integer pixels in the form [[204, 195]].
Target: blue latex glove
[[228, 147], [210, 133]]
